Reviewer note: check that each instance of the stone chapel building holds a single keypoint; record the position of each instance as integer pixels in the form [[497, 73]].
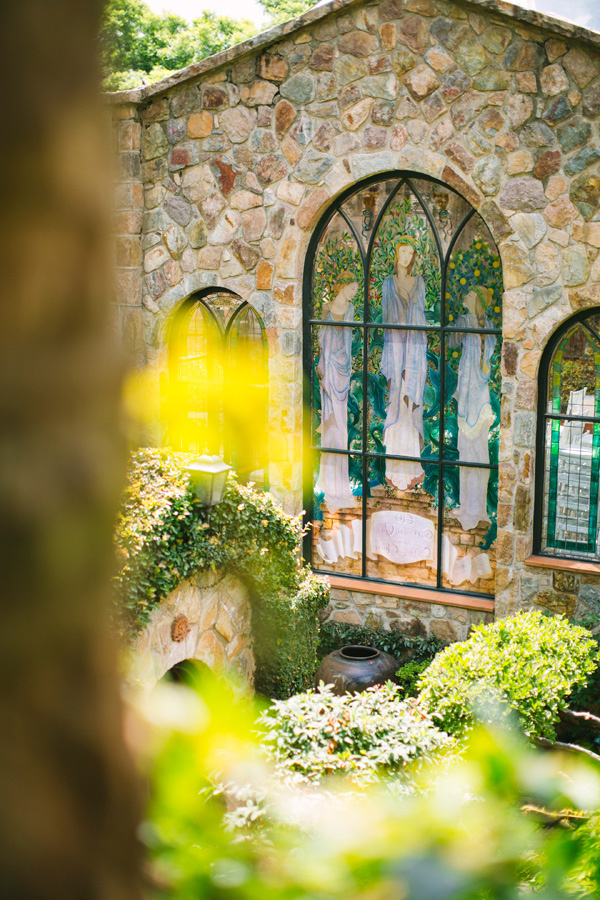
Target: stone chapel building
[[392, 207]]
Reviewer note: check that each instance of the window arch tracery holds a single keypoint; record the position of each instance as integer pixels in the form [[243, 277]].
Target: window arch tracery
[[403, 290], [219, 366], [568, 444]]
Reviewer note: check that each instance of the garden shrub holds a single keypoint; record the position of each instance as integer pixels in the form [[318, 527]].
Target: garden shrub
[[407, 676], [164, 537], [466, 836], [364, 736], [586, 697], [402, 646], [530, 663]]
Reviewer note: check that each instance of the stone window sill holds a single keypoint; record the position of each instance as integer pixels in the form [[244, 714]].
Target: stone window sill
[[576, 566], [462, 601]]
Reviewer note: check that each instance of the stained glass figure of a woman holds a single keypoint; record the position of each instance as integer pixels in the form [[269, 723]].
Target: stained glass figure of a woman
[[404, 364], [475, 415], [334, 369]]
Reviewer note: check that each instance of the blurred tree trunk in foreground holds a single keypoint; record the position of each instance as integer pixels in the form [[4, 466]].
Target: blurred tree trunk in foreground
[[67, 796]]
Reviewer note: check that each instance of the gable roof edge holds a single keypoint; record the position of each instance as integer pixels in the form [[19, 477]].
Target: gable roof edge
[[273, 35]]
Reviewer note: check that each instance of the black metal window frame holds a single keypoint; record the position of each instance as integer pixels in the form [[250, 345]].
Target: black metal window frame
[[543, 417], [443, 329], [199, 298], [181, 321]]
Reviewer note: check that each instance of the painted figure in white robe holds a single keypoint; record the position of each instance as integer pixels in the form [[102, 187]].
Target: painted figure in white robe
[[334, 369], [404, 364], [475, 415]]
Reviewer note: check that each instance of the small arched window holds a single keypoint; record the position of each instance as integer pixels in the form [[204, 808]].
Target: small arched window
[[403, 316], [568, 445], [219, 382]]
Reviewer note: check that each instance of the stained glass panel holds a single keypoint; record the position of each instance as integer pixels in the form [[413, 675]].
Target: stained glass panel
[[337, 387], [223, 305], [337, 518], [468, 554], [447, 208], [219, 370], [404, 392], [474, 268], [337, 269], [245, 424], [472, 383], [574, 373], [401, 527], [363, 208], [414, 366], [198, 371], [404, 280], [572, 444]]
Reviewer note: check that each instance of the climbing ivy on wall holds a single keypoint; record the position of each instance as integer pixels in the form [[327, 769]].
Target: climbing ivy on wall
[[163, 537]]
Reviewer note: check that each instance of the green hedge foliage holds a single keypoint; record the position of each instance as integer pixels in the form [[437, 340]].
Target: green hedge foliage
[[164, 537], [364, 736], [527, 664]]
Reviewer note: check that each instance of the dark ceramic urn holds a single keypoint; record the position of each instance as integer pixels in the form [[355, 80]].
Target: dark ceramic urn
[[354, 668]]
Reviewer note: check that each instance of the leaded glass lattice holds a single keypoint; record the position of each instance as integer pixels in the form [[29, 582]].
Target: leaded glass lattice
[[402, 351], [570, 441]]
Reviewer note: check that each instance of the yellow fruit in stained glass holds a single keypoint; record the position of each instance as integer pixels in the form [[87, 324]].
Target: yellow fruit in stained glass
[[496, 264], [496, 309], [452, 265], [478, 246], [454, 354], [476, 273], [447, 295], [463, 280], [451, 318]]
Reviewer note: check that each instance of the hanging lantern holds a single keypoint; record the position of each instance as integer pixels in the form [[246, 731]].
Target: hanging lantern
[[207, 477]]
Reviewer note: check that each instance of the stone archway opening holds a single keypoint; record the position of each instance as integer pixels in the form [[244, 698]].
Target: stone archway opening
[[188, 672]]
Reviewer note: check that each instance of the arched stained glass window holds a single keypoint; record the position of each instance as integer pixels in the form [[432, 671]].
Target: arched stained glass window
[[569, 441], [403, 289], [219, 367]]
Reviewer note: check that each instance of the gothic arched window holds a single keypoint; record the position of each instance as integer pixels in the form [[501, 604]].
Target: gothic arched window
[[403, 294], [568, 447], [219, 366]]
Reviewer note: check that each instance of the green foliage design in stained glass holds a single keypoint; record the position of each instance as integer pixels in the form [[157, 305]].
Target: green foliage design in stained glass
[[477, 266], [336, 255], [401, 219]]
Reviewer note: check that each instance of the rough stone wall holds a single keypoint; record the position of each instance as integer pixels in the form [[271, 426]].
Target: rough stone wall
[[129, 213], [217, 613], [412, 617], [237, 166]]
